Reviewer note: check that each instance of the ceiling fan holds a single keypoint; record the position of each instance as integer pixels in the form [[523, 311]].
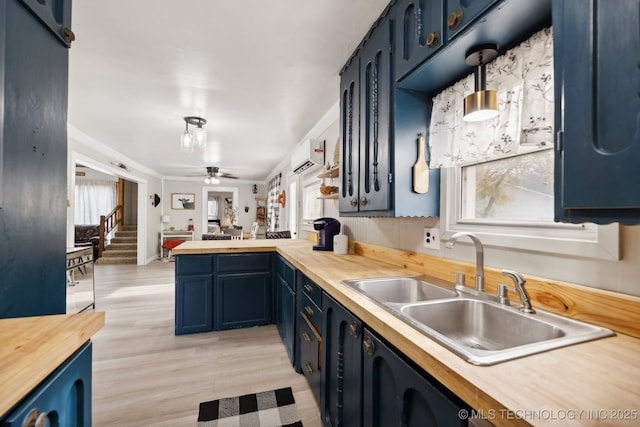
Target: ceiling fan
[[213, 175]]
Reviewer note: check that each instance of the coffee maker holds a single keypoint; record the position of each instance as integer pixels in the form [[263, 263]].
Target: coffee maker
[[327, 227]]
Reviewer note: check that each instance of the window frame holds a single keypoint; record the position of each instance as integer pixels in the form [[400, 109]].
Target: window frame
[[578, 240]]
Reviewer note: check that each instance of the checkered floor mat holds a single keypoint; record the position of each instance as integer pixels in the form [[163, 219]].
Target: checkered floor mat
[[273, 408]]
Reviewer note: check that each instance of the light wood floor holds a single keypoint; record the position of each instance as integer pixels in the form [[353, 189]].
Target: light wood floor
[[144, 375]]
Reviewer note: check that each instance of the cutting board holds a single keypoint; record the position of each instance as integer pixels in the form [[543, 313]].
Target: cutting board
[[421, 169]]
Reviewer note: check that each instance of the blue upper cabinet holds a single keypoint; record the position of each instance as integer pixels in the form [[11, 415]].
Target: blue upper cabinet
[[350, 134], [597, 121], [462, 12], [375, 116], [417, 33], [54, 14]]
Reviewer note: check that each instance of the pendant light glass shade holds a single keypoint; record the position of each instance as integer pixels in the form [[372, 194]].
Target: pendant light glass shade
[[200, 137], [481, 104], [186, 142]]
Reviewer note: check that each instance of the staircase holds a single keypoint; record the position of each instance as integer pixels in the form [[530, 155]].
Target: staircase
[[123, 247]]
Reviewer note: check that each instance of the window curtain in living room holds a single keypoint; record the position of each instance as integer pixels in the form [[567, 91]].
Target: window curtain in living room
[[92, 199], [273, 207], [523, 78]]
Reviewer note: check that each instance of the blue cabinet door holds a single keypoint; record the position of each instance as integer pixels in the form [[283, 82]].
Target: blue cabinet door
[[375, 121], [62, 399], [286, 313], [394, 393], [33, 164], [349, 135], [418, 26], [194, 303], [341, 376], [310, 354], [242, 300], [597, 118], [460, 13]]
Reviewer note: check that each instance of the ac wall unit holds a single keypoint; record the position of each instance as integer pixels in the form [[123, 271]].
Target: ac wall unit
[[309, 153]]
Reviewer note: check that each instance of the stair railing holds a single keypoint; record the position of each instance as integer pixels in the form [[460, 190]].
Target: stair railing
[[109, 222]]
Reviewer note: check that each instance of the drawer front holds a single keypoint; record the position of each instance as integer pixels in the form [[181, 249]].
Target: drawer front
[[311, 311], [194, 264], [310, 350], [286, 271], [243, 263], [313, 290]]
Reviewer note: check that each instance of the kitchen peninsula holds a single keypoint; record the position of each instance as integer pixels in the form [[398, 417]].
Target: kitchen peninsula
[[595, 382]]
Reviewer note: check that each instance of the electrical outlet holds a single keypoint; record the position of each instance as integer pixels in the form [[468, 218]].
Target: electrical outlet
[[431, 238]]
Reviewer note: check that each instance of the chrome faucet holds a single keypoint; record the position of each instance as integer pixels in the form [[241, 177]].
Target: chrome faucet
[[479, 256], [518, 282]]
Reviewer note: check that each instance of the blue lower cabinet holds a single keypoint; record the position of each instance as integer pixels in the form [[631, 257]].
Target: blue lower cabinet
[[194, 304], [341, 377], [394, 393], [310, 347], [62, 399], [242, 300]]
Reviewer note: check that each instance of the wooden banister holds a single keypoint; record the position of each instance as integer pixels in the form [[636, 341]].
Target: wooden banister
[[109, 222]]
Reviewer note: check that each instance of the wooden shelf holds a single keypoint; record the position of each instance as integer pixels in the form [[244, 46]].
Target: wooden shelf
[[333, 196], [331, 173]]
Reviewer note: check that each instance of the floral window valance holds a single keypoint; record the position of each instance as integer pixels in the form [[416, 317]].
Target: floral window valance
[[523, 78]]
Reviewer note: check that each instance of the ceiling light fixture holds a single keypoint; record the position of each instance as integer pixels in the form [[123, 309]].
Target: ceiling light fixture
[[482, 104], [195, 139], [213, 175]]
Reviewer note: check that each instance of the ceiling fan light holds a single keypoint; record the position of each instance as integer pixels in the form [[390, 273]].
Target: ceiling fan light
[[480, 105]]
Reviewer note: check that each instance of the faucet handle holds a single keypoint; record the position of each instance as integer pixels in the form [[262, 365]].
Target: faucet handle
[[502, 293], [460, 277]]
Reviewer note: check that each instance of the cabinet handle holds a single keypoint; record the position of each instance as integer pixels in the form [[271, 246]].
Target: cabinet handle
[[35, 418], [68, 35], [307, 368], [368, 346], [363, 201], [354, 202], [308, 287], [308, 310], [305, 337], [432, 38], [455, 18], [354, 330]]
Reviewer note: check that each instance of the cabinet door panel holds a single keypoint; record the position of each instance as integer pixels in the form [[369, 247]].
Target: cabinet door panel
[[375, 116], [597, 110], [418, 33], [242, 300], [394, 393], [341, 377], [349, 135], [309, 354], [460, 13], [286, 312], [194, 301]]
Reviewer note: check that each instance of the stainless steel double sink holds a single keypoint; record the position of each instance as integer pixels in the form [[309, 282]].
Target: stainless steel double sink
[[481, 331]]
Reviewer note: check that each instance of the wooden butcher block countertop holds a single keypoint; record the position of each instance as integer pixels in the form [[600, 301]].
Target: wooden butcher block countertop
[[593, 383], [31, 348]]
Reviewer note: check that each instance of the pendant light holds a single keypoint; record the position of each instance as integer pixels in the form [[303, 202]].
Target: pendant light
[[195, 139], [482, 104]]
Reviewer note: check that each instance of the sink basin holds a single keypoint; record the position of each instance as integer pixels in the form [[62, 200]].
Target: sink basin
[[400, 290], [485, 333]]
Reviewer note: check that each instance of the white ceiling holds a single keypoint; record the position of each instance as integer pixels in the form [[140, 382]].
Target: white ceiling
[[262, 73]]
